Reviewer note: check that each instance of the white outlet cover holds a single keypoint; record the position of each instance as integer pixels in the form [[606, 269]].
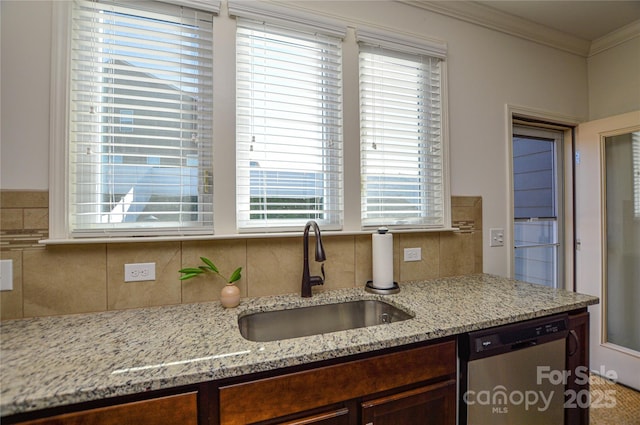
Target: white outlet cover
[[412, 254], [6, 275], [139, 272]]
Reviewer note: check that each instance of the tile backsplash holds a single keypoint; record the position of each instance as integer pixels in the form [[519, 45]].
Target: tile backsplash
[[64, 279]]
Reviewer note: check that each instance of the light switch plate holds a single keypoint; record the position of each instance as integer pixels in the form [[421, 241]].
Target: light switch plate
[[496, 237], [6, 275]]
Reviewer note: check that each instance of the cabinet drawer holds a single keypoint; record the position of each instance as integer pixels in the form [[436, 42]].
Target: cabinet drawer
[[296, 392], [431, 405], [334, 417], [171, 410]]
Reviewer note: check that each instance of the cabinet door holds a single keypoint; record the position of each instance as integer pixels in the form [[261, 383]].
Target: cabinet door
[[577, 360], [430, 405], [171, 410]]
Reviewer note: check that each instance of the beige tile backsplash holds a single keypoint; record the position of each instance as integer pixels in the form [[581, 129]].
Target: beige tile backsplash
[[227, 256], [275, 265], [162, 291], [67, 279], [64, 279], [429, 266]]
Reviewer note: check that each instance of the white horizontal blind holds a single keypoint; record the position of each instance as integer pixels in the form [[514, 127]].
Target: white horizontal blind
[[140, 130], [401, 138], [212, 6], [288, 128]]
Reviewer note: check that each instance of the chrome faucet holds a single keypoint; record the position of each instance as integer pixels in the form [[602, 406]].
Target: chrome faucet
[[307, 280]]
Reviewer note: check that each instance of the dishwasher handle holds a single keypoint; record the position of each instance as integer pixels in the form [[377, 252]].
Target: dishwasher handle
[[524, 344]]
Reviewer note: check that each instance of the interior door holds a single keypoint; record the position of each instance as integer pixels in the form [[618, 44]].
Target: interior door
[[608, 244]]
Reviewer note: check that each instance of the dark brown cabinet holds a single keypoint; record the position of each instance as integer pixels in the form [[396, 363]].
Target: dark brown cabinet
[[411, 381], [180, 409], [577, 363]]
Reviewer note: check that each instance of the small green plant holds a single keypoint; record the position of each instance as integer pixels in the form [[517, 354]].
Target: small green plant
[[208, 267]]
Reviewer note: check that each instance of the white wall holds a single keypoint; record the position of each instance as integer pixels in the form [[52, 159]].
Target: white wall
[[614, 80], [24, 86], [487, 71]]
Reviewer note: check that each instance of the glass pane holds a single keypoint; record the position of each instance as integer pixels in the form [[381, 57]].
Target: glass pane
[[533, 178], [536, 255], [537, 232], [537, 265], [623, 241]]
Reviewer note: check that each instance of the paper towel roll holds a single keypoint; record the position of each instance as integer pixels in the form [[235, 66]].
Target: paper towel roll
[[382, 259]]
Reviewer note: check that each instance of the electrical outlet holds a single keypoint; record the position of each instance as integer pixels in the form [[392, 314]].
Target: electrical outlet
[[139, 272], [412, 254], [497, 237], [6, 275]]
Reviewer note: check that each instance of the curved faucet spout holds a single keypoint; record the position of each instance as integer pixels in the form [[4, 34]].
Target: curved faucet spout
[[307, 280]]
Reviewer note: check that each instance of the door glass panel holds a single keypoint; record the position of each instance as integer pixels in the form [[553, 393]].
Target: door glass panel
[[536, 251], [622, 290]]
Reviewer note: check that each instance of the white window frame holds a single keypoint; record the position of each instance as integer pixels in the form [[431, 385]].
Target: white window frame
[[59, 171], [224, 118], [58, 149], [258, 133], [401, 44]]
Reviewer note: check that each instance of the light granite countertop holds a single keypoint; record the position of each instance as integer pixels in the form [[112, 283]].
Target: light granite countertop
[[60, 360]]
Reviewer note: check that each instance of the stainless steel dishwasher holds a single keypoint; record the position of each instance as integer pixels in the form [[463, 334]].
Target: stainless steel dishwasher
[[514, 374]]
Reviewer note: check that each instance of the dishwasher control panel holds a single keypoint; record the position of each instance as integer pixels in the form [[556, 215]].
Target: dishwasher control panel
[[518, 335]]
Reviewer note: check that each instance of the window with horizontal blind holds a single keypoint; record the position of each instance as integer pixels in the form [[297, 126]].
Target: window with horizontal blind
[[538, 204], [402, 143], [140, 128], [288, 127]]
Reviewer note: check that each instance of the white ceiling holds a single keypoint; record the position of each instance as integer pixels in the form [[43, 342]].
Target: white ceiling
[[588, 20]]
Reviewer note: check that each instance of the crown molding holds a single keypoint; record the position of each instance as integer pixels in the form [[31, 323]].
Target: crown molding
[[487, 17], [616, 37]]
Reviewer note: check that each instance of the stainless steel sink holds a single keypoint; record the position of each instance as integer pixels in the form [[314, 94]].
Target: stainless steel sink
[[318, 319]]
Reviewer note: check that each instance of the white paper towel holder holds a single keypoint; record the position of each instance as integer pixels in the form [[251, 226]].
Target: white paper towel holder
[[369, 287]]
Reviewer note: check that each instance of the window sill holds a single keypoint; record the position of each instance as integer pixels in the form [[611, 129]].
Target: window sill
[[178, 238]]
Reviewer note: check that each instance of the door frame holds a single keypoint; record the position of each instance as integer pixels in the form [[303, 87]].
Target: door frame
[[555, 121], [538, 132], [606, 359]]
